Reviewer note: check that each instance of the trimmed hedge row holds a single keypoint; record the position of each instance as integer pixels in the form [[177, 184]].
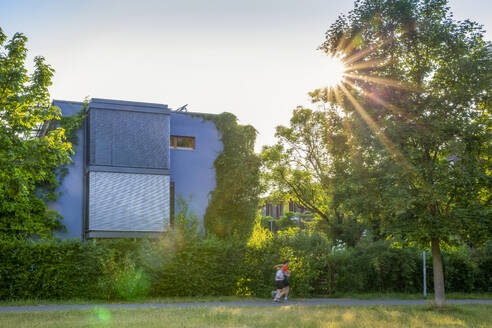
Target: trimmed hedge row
[[183, 265], [49, 270]]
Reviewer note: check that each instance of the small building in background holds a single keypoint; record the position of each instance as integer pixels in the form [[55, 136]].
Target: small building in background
[[132, 161], [277, 209]]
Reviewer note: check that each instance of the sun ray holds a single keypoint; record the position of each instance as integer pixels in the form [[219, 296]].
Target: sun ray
[[391, 107], [397, 111], [346, 123], [376, 130], [350, 46], [366, 64], [382, 102], [341, 44], [383, 81], [358, 55]]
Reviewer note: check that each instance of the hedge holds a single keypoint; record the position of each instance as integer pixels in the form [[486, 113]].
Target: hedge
[[183, 265]]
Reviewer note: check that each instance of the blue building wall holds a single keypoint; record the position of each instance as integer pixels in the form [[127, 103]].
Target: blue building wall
[[70, 203], [192, 171]]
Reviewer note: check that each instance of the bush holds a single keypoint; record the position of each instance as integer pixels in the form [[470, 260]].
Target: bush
[[460, 270], [483, 281], [202, 266], [185, 263], [50, 269]]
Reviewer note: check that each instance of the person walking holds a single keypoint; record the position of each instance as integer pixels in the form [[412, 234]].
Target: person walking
[[286, 274], [279, 283]]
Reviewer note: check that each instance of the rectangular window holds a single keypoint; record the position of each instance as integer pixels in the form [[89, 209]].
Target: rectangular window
[[180, 142]]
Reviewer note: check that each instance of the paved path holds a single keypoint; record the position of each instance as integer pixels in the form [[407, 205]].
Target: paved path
[[309, 302]]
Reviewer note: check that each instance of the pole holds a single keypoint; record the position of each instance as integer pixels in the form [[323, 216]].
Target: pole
[[425, 275]]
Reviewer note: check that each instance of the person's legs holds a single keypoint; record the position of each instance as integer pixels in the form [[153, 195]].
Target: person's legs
[[279, 286], [285, 292], [278, 295]]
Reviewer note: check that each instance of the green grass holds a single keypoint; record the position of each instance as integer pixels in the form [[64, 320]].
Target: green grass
[[288, 316]]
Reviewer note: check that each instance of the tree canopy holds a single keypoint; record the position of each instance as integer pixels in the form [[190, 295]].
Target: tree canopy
[[28, 162], [408, 142], [302, 165], [416, 104]]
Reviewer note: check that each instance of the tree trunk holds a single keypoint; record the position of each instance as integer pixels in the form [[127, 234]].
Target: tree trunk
[[440, 298]]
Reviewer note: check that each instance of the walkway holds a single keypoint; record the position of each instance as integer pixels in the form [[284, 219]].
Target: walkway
[[309, 302]]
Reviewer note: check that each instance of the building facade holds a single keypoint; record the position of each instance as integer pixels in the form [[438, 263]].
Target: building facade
[[132, 161], [278, 209]]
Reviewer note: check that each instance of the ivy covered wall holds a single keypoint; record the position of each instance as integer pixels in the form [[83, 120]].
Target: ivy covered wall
[[234, 202]]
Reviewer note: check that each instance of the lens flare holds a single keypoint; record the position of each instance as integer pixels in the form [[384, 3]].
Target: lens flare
[[102, 315], [336, 71]]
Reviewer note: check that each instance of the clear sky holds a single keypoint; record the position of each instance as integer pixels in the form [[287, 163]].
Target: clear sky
[[254, 58]]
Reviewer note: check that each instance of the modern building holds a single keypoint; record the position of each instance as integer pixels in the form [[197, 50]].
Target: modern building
[[131, 163]]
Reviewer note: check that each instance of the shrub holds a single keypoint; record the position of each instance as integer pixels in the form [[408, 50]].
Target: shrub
[[483, 281], [202, 266], [460, 270], [185, 263], [51, 269]]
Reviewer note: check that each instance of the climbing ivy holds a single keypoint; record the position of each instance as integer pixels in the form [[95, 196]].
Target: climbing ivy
[[234, 201], [71, 124]]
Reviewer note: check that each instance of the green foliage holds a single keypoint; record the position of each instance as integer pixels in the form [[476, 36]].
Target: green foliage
[[175, 265], [413, 123], [285, 222], [185, 220], [416, 96], [303, 165], [204, 266], [27, 162], [318, 268], [234, 200], [122, 276], [51, 269], [71, 124], [483, 279]]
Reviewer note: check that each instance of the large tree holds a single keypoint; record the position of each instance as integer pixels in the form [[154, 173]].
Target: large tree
[[304, 165], [416, 117], [28, 163]]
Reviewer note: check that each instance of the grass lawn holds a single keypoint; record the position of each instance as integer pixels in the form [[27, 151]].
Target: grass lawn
[[288, 316]]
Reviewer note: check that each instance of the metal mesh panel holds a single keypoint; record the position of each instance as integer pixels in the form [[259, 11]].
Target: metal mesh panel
[[132, 139], [128, 202]]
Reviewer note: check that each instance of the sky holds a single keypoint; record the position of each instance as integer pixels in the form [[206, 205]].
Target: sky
[[257, 59]]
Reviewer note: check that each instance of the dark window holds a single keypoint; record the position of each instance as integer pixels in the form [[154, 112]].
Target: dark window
[[267, 209], [180, 142]]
